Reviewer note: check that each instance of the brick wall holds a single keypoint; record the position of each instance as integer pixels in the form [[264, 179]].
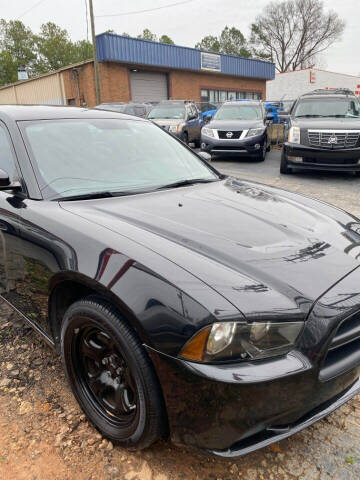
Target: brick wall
[[187, 85], [115, 83]]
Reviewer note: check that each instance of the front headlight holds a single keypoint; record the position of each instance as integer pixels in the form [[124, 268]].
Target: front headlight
[[208, 132], [224, 341], [174, 128], [255, 131], [294, 135]]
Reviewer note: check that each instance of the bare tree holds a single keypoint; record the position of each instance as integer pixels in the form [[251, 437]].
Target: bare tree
[[292, 33]]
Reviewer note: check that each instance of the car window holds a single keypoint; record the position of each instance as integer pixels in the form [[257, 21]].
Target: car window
[[7, 162], [139, 111], [239, 112], [327, 107], [72, 157], [167, 111]]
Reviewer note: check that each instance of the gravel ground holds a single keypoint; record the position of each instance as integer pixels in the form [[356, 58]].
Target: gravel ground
[[44, 435]]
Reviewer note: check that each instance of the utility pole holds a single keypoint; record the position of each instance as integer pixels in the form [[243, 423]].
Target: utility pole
[[96, 63]]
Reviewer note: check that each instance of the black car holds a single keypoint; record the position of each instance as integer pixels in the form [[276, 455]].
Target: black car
[[238, 128], [181, 118], [323, 132], [221, 312], [138, 109]]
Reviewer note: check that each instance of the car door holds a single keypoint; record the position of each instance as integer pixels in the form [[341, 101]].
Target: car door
[[12, 263], [29, 253], [191, 122]]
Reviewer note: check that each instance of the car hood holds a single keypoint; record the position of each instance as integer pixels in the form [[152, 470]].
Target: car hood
[[329, 123], [271, 253], [235, 124], [167, 122]]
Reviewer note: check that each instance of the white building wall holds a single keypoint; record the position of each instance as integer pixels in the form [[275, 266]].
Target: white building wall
[[48, 89], [290, 85]]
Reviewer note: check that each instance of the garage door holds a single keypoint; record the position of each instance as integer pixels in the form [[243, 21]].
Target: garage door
[[148, 86]]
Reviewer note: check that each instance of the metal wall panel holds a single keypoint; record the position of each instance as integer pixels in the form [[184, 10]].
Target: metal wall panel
[[42, 90], [117, 48]]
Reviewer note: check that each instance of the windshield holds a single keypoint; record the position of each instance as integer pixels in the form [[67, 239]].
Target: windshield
[[74, 157], [327, 107], [239, 112], [168, 111]]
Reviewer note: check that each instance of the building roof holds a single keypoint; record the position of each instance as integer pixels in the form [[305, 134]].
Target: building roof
[[318, 70], [117, 48]]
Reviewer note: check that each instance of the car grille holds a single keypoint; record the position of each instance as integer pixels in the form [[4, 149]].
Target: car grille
[[331, 161], [344, 350], [334, 138], [225, 134]]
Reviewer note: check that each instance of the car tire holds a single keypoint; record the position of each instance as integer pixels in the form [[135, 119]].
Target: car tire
[[185, 138], [197, 143], [261, 157], [284, 169], [268, 148], [111, 374]]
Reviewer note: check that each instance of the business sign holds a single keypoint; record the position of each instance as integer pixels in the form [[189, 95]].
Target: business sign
[[210, 61]]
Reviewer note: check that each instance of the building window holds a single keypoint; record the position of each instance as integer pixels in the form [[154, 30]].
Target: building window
[[219, 96]]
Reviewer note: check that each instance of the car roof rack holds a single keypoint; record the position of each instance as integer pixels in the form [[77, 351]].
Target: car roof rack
[[335, 91]]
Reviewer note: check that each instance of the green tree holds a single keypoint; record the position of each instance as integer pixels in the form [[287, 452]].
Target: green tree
[[166, 39], [56, 50], [148, 35], [16, 49], [231, 41], [209, 43]]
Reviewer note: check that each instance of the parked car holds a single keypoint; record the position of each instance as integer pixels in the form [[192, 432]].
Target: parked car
[[323, 132], [184, 302], [137, 109], [181, 118], [207, 109], [238, 128], [273, 108]]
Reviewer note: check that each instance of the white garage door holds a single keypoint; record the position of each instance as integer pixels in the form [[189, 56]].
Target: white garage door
[[148, 86]]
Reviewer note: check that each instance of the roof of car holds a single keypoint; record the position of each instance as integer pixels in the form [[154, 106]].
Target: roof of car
[[243, 102], [50, 112]]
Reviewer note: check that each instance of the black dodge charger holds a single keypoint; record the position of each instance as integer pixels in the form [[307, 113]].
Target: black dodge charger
[[223, 313]]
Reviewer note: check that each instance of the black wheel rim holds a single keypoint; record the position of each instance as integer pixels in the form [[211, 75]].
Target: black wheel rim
[[104, 375]]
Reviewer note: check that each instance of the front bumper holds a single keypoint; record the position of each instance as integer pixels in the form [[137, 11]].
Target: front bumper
[[233, 409], [311, 158], [223, 147]]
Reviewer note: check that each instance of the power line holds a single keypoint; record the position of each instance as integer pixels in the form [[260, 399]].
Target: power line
[[136, 12], [31, 8]]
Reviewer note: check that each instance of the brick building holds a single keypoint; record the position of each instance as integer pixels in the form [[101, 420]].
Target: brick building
[[140, 70]]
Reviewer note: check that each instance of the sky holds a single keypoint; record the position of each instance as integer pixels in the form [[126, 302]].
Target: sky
[[186, 23]]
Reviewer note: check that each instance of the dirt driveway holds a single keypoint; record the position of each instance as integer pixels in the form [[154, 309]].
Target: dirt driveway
[[45, 436]]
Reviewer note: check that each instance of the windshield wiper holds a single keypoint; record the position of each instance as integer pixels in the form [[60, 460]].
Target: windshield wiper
[[183, 183], [344, 115], [85, 196], [309, 116]]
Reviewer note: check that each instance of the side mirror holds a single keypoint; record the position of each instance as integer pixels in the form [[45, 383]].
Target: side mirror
[[269, 116], [208, 117], [205, 156], [5, 183]]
